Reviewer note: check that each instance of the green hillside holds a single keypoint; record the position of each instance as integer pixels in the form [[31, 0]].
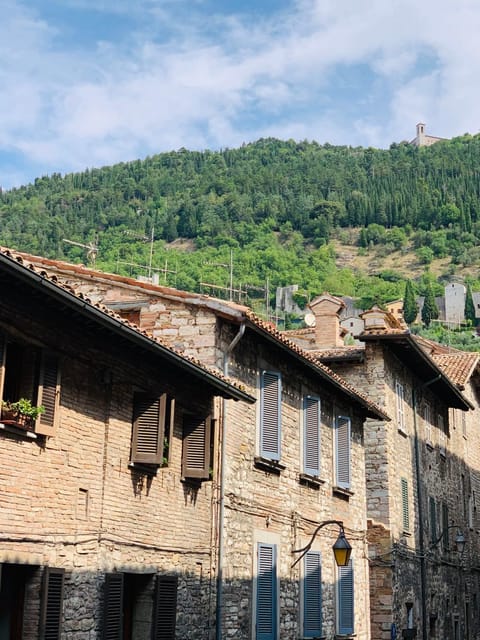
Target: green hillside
[[351, 220]]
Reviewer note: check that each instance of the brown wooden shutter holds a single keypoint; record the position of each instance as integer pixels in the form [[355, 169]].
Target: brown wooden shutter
[[113, 607], [148, 428], [165, 608], [52, 599], [48, 395], [3, 355], [196, 446]]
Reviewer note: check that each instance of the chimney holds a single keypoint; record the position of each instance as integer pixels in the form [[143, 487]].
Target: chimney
[[376, 318], [326, 309]]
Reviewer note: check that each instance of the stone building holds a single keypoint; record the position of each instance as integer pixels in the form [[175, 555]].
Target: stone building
[[107, 498], [284, 466], [421, 475], [422, 139]]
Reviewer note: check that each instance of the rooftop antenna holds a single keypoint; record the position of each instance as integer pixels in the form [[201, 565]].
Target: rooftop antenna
[[91, 248], [229, 266]]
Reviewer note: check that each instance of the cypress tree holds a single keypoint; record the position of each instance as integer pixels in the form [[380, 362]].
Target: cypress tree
[[410, 307], [430, 309], [469, 306]]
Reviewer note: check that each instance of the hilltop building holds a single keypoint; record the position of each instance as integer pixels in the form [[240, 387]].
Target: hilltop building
[[422, 139]]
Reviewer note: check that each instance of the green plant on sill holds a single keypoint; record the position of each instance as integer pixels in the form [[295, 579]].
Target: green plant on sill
[[23, 407]]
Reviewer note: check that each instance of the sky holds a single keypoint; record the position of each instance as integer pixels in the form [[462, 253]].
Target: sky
[[89, 83]]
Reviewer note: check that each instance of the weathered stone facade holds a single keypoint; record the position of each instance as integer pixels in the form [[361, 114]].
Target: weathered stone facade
[[74, 508], [264, 502]]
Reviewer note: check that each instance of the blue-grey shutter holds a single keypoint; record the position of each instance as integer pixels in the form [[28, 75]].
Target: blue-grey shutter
[[113, 607], [342, 452], [345, 600], [52, 600], [311, 435], [405, 510], [270, 411], [266, 613], [312, 595]]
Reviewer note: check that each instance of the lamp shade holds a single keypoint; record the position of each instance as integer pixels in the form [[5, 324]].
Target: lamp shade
[[342, 550], [460, 542]]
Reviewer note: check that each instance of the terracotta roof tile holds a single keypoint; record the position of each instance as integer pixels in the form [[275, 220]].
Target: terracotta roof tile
[[457, 366]]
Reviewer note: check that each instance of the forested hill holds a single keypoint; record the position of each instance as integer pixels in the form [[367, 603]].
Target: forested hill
[[227, 198]]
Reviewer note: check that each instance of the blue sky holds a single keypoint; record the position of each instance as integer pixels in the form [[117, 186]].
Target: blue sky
[[87, 83]]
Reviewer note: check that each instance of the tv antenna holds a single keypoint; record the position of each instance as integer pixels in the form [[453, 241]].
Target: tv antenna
[[91, 249]]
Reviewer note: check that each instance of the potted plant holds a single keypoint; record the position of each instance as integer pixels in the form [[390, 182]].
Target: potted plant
[[21, 413]]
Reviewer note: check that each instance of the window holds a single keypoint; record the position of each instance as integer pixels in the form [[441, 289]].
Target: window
[[433, 519], [345, 600], [52, 599], [342, 452], [312, 595], [29, 372], [400, 399], [197, 437], [427, 422], [270, 415], [471, 510], [445, 536], [311, 435], [405, 509], [464, 424], [441, 433], [266, 596], [152, 428], [133, 601]]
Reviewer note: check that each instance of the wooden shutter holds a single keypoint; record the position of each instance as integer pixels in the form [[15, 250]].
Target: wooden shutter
[[165, 608], [148, 428], [52, 600], [433, 520], [342, 452], [405, 509], [196, 446], [3, 355], [400, 405], [266, 612], [311, 436], [312, 595], [270, 415], [113, 607], [48, 395], [445, 539], [345, 600]]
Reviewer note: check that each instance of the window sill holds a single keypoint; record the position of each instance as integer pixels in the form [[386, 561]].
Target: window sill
[[17, 430], [402, 432], [312, 481], [345, 636], [342, 492], [273, 466], [147, 469], [442, 452], [429, 445]]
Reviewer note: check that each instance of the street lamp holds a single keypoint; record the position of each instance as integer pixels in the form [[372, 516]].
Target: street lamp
[[342, 549], [459, 538]]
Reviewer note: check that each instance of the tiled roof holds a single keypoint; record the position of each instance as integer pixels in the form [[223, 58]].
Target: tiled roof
[[215, 373], [217, 306], [343, 353], [457, 366]]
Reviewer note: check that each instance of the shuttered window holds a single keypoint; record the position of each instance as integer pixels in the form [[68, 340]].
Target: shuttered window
[[427, 422], [433, 520], [113, 607], [311, 435], [312, 595], [345, 599], [196, 446], [165, 608], [148, 428], [266, 601], [270, 415], [342, 452], [48, 395], [405, 509], [52, 600], [445, 538], [400, 396]]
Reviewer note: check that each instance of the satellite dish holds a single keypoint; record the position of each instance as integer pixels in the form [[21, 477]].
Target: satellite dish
[[309, 319]]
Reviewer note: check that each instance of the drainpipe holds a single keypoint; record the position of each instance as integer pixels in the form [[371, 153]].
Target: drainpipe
[[221, 513], [421, 531]]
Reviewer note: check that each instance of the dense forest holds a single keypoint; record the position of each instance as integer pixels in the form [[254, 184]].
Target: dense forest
[[260, 216]]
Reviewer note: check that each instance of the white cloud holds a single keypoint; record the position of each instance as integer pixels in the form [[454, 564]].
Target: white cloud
[[181, 78]]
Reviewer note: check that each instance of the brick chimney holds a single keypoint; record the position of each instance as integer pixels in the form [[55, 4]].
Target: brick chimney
[[326, 309]]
